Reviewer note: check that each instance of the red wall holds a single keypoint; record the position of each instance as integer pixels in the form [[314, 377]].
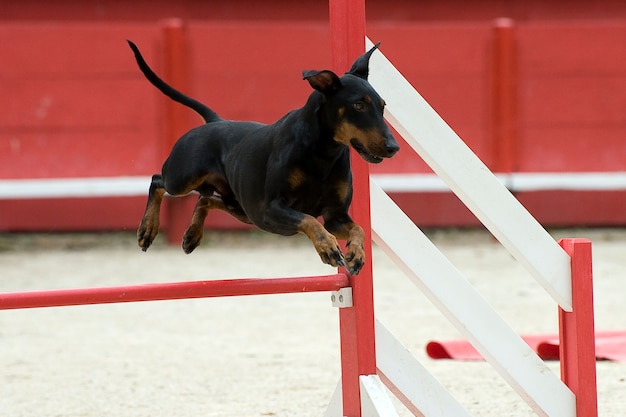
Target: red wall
[[312, 10], [75, 105], [572, 97]]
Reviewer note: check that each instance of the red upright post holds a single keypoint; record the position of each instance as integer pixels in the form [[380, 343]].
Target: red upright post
[[576, 331], [503, 88], [177, 118], [358, 355]]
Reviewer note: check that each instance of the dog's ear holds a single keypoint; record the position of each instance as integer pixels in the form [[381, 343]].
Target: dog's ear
[[324, 81], [360, 68]]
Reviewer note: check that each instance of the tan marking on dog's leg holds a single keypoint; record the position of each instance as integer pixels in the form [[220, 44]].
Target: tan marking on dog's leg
[[325, 243], [194, 233], [149, 227], [218, 203], [343, 189], [354, 236]]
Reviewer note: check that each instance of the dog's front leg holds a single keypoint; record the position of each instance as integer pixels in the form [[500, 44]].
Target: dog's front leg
[[345, 229], [325, 243], [283, 220]]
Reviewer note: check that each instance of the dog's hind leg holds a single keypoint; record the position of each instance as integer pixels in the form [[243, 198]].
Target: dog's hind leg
[[194, 233], [149, 226]]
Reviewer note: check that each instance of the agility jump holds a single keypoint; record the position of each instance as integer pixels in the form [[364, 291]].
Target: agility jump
[[370, 353]]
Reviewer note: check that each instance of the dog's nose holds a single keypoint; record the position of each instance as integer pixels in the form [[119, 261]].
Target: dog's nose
[[391, 147]]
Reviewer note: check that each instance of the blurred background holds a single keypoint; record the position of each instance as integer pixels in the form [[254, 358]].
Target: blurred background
[[536, 88]]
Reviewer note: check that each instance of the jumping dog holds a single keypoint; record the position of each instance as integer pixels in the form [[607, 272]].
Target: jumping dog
[[282, 176]]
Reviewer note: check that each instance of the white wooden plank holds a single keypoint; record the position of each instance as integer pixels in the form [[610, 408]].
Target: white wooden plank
[[414, 386], [121, 186], [449, 157], [74, 187], [335, 406], [514, 182], [374, 399], [460, 303], [571, 181]]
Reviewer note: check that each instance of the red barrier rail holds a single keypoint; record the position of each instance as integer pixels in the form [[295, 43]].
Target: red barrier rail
[[171, 291]]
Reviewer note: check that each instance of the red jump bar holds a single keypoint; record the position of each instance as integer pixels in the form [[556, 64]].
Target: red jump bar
[[171, 291]]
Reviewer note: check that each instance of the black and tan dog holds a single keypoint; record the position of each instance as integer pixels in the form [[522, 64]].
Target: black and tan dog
[[282, 176]]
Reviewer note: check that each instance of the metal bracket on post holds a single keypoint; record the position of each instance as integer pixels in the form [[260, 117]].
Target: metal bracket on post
[[342, 298]]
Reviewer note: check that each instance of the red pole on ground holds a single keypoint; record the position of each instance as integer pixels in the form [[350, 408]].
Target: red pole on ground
[[358, 353], [503, 87], [177, 119], [576, 331]]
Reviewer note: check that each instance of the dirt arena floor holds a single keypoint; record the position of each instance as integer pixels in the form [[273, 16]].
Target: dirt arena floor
[[273, 355]]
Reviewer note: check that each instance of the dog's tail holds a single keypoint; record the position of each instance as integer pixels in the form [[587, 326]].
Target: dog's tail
[[207, 114]]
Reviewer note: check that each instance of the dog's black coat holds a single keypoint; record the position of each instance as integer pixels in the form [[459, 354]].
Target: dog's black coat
[[282, 176]]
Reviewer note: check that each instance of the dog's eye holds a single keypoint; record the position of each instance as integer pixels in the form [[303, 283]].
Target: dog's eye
[[359, 106]]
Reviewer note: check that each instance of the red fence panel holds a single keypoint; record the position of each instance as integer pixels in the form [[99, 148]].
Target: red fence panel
[[79, 107], [447, 64], [572, 96]]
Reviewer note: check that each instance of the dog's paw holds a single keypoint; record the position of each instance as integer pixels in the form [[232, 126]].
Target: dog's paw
[[146, 234], [355, 258], [330, 251], [192, 238]]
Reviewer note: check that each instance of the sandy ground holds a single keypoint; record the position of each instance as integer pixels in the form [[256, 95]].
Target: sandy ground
[[274, 355]]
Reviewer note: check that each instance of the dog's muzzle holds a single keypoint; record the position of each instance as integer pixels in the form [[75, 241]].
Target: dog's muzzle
[[389, 149]]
